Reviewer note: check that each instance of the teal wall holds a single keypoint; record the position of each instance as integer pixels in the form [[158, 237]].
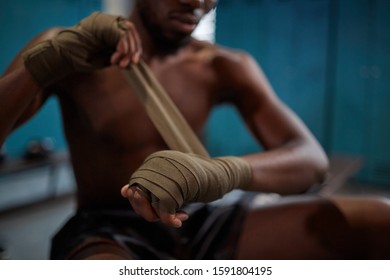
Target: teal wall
[[361, 102], [20, 21], [329, 60]]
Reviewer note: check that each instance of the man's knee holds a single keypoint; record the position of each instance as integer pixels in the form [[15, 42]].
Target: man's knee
[[364, 211], [99, 249]]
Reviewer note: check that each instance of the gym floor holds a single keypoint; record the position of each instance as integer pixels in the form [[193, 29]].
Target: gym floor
[[25, 232]]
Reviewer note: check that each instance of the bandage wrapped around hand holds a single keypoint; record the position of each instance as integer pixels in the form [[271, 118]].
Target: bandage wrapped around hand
[[84, 47], [174, 178]]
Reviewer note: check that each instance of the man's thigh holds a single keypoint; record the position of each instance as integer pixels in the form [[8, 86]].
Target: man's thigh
[[299, 227]]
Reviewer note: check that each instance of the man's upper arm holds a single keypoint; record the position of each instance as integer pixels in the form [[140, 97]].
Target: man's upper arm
[[269, 119], [16, 67], [18, 60]]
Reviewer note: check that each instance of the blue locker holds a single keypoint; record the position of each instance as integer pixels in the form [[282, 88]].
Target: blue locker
[[362, 87], [380, 75]]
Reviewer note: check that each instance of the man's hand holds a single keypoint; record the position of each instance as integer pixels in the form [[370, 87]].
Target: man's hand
[[141, 204], [96, 42], [129, 47], [170, 179]]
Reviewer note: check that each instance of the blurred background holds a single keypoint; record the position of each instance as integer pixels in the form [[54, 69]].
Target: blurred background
[[329, 60]]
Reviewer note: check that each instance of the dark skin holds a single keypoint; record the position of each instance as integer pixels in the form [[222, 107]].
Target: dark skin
[[109, 134]]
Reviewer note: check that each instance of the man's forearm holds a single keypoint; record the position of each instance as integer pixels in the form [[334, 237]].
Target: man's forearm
[[17, 92], [289, 169]]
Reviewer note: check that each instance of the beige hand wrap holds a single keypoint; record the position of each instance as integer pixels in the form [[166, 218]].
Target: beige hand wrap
[[84, 47], [174, 178]]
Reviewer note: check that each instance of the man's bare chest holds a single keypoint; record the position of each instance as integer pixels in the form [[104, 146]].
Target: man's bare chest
[[106, 106]]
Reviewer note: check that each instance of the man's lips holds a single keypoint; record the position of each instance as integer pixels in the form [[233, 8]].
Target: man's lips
[[185, 22]]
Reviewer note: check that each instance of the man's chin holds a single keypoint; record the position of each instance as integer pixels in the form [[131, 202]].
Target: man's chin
[[178, 41]]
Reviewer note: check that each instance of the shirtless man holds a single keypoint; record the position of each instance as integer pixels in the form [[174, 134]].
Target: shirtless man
[[109, 136]]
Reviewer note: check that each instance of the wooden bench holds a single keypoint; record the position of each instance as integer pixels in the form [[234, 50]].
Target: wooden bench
[[17, 166]]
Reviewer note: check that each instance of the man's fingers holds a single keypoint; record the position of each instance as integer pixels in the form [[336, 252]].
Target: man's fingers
[[122, 55], [174, 220], [140, 203], [124, 190], [170, 219], [182, 216], [129, 48], [137, 45]]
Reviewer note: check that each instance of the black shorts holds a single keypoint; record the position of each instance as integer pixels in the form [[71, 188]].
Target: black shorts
[[211, 232]]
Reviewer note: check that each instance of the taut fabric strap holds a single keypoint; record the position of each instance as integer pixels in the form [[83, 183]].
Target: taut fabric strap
[[168, 120], [186, 174]]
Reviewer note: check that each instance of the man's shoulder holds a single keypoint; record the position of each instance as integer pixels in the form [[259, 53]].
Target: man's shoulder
[[222, 54]]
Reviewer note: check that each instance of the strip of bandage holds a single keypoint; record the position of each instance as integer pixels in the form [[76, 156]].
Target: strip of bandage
[[168, 120]]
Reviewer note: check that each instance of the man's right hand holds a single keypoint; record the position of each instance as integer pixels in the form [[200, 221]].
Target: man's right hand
[[142, 206], [97, 41]]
